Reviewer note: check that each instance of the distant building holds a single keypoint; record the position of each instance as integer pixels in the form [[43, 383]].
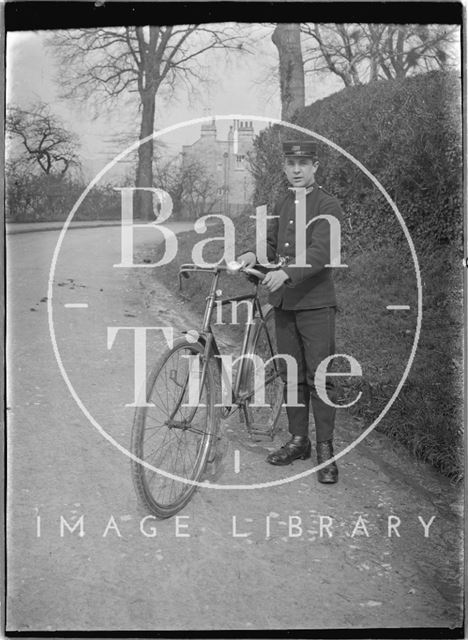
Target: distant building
[[226, 164]]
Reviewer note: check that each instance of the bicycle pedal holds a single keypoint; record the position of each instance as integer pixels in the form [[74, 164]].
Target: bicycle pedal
[[261, 433]]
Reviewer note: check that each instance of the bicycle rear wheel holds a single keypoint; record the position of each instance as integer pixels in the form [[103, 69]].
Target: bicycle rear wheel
[[264, 420], [174, 439]]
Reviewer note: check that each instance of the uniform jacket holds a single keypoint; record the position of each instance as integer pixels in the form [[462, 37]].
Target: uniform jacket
[[308, 287]]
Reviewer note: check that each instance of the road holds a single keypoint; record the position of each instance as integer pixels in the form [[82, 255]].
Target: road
[[128, 573]]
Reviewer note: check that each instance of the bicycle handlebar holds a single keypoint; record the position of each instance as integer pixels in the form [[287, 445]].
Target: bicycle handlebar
[[253, 272], [230, 267]]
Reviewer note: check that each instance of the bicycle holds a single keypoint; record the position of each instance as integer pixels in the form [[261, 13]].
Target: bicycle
[[175, 439]]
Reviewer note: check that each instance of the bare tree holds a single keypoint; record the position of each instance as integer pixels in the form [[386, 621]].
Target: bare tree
[[43, 141], [360, 53], [336, 48], [192, 190], [287, 39], [201, 197], [407, 49], [199, 194], [114, 61]]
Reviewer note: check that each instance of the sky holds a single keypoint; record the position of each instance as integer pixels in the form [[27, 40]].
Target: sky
[[241, 85]]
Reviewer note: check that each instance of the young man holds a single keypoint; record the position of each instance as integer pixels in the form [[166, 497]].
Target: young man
[[305, 304]]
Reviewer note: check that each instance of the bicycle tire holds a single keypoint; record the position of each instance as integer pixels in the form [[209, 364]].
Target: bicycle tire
[[264, 419], [182, 451]]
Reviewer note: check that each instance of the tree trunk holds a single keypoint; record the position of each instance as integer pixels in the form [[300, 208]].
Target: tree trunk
[[143, 202], [374, 36], [399, 58], [287, 39]]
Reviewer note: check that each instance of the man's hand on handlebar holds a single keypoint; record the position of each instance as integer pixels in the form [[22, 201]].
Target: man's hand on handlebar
[[249, 259], [274, 280]]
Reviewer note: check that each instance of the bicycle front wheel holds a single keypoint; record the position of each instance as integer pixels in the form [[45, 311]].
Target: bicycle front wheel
[[172, 436]]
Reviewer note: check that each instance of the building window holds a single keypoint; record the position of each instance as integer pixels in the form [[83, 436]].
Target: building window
[[240, 161]]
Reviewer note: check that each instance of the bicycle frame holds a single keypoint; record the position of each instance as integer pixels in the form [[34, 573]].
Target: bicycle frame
[[206, 336]]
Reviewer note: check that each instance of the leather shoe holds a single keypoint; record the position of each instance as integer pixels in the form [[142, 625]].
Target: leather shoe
[[328, 474], [297, 447]]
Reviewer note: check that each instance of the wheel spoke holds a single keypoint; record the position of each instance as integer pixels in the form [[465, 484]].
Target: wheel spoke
[[264, 417], [171, 437]]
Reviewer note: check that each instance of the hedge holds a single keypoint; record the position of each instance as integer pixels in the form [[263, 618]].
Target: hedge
[[407, 133], [45, 198]]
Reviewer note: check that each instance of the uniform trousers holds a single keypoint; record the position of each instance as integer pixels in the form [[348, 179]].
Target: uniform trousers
[[309, 336]]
